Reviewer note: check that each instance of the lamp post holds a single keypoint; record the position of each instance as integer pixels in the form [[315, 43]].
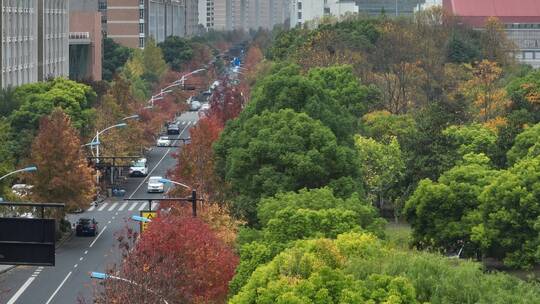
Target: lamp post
[[193, 193], [96, 141], [104, 276], [27, 169]]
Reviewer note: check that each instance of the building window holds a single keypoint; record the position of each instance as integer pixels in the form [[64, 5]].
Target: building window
[[141, 2], [299, 5], [141, 14], [299, 15], [141, 28], [141, 42], [102, 5]]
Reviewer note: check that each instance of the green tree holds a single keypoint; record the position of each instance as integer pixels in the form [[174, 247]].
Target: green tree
[[281, 151], [382, 166], [473, 138], [176, 51], [63, 175], [39, 99], [321, 199], [526, 144], [286, 88], [344, 87], [509, 211], [153, 62], [114, 57], [443, 213]]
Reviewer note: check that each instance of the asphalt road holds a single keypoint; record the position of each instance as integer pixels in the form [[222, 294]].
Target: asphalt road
[[68, 282]]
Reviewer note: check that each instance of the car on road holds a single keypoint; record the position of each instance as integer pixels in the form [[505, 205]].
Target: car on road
[[205, 107], [163, 141], [195, 105], [173, 129], [154, 184], [86, 226], [139, 168]]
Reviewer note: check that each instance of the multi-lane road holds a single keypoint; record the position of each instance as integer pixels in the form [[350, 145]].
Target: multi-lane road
[[68, 282]]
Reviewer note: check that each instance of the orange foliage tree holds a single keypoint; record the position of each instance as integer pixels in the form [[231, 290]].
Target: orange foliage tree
[[63, 174], [179, 258]]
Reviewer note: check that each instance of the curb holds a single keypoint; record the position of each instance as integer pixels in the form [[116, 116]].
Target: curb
[[60, 243]]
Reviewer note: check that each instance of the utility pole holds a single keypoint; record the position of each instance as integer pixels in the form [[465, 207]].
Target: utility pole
[[194, 202]]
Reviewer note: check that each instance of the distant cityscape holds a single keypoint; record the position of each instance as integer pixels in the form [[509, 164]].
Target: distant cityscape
[[44, 39]]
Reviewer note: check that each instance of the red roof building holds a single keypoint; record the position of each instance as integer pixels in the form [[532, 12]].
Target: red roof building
[[520, 17], [476, 12]]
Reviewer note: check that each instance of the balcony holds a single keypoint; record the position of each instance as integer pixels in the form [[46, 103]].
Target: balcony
[[79, 38]]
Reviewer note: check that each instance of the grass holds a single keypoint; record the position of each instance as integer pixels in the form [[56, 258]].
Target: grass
[[398, 235]]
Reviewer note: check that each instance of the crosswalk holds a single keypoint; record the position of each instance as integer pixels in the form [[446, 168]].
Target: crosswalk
[[123, 206]]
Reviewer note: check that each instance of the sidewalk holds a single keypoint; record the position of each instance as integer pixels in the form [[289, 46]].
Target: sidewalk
[[5, 268]]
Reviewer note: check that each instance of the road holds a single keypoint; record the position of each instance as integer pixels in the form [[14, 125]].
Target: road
[[69, 281]]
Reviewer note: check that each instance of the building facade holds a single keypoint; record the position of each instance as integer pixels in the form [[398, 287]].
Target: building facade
[[131, 22], [521, 19], [85, 43], [53, 38], [303, 11], [390, 7], [34, 41]]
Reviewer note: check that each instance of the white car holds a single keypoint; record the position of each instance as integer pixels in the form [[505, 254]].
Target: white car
[[138, 168], [205, 106], [154, 184], [163, 141]]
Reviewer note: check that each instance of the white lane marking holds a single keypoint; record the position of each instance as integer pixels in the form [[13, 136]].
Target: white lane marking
[[116, 213], [97, 237], [159, 162], [102, 207], [91, 208], [155, 206], [113, 206], [86, 252], [133, 206], [141, 208], [81, 258], [21, 290], [57, 289], [75, 266], [113, 217]]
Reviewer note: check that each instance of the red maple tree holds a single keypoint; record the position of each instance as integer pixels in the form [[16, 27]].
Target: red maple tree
[[178, 258]]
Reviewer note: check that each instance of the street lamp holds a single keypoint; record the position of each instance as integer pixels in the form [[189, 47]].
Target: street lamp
[[193, 193], [131, 117], [27, 169], [96, 141], [141, 219], [104, 276]]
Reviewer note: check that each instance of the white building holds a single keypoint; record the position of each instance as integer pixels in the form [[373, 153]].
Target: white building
[[35, 41], [53, 40], [303, 11]]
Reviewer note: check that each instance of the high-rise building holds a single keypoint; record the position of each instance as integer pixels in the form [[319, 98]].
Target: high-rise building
[[131, 22], [53, 38], [227, 15], [303, 11], [34, 41]]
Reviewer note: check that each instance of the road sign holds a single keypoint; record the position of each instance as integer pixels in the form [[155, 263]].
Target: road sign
[[25, 241], [149, 215]]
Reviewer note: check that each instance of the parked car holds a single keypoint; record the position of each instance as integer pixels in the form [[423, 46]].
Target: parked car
[[86, 226], [173, 129], [163, 141], [205, 107], [154, 184], [139, 168]]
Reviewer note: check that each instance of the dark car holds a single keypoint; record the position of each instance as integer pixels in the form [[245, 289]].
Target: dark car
[[173, 129], [86, 226]]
